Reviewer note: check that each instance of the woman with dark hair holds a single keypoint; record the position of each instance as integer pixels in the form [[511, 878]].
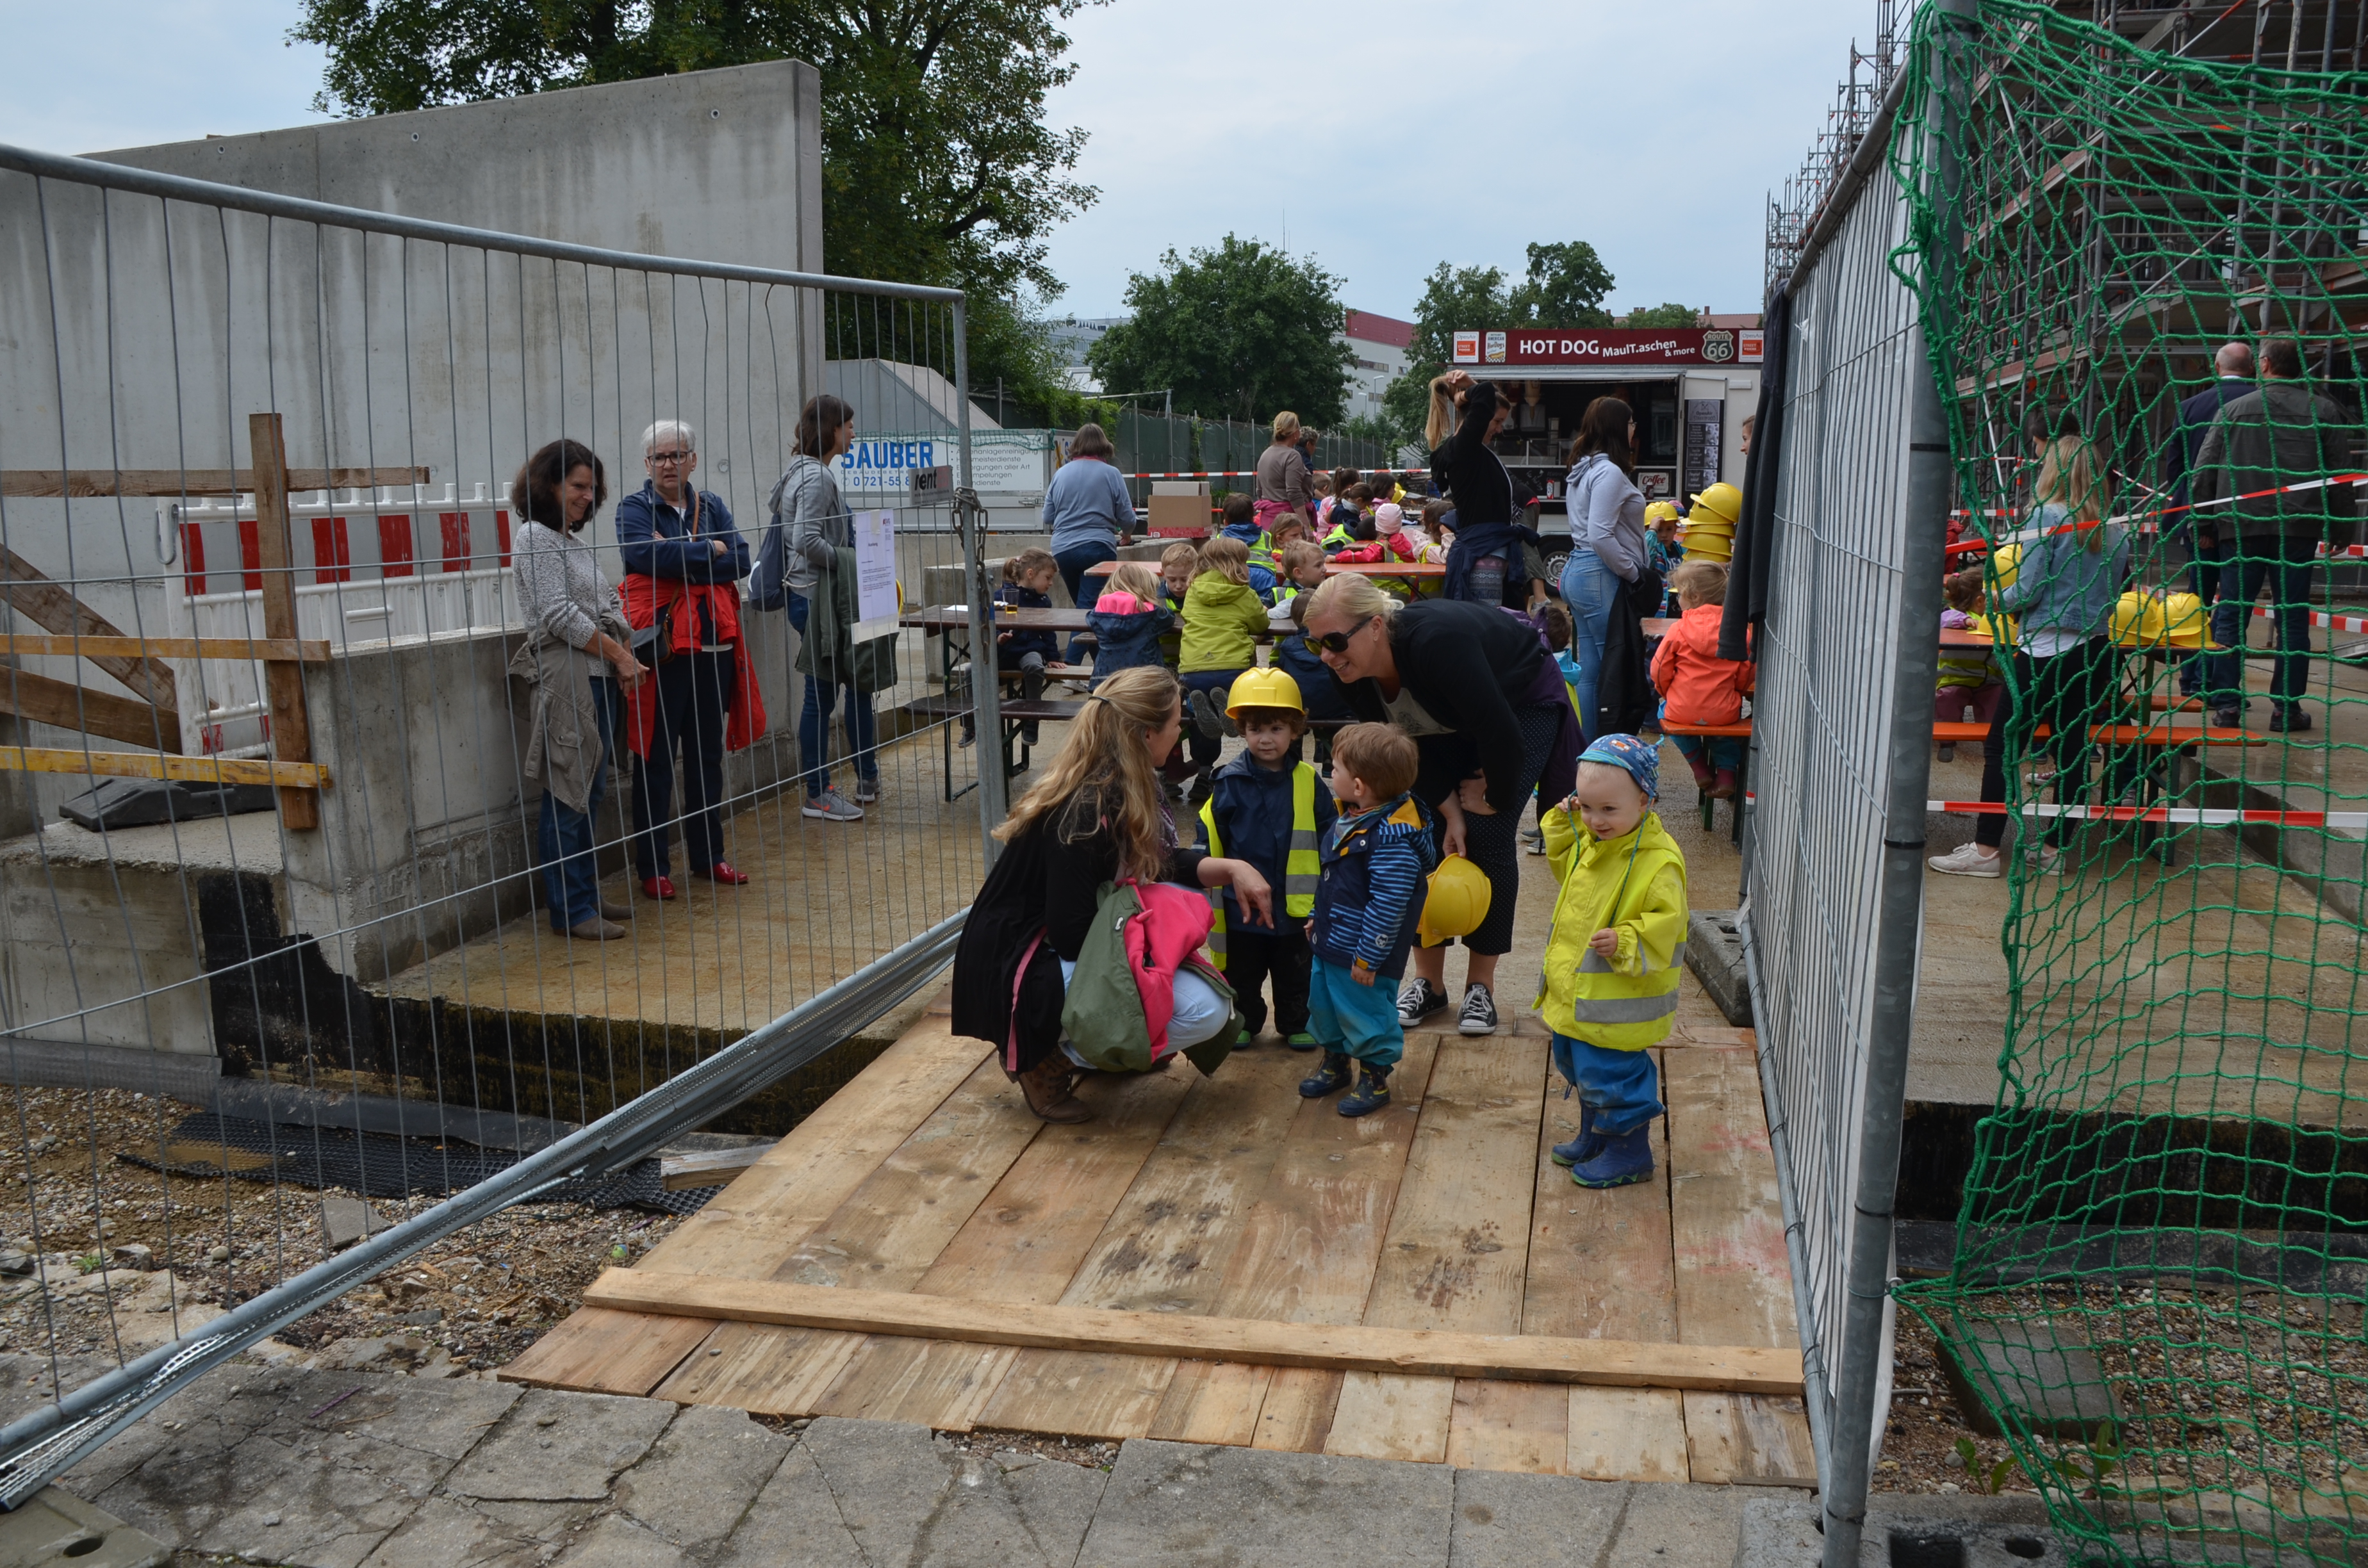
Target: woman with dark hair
[[1606, 539], [1089, 514], [1097, 815], [1485, 565], [575, 657], [811, 524]]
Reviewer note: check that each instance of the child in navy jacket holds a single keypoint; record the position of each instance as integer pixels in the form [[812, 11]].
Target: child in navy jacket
[[1027, 580]]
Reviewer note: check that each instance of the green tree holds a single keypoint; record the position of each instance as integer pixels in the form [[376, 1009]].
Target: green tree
[[1565, 287], [1239, 332], [1660, 316], [938, 164]]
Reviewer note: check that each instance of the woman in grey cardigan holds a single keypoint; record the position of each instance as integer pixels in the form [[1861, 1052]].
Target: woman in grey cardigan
[[810, 523], [576, 658]]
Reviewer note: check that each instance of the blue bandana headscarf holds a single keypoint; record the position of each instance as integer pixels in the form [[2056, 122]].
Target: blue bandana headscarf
[[1640, 759]]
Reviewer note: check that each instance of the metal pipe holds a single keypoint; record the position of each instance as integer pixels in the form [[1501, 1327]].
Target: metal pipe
[[56, 1437], [1932, 484], [985, 664], [179, 187]]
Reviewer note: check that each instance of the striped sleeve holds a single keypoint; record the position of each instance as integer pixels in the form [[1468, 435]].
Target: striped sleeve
[[1394, 873]]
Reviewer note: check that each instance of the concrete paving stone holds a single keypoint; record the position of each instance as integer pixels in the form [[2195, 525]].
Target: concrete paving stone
[[1681, 1526], [700, 1477], [1971, 1532], [1503, 1520], [206, 1417], [556, 1447], [795, 1523], [26, 1385], [906, 1498], [345, 1221], [619, 1542], [54, 1529], [885, 1478], [292, 1501], [451, 1532], [1056, 1501], [1171, 1503]]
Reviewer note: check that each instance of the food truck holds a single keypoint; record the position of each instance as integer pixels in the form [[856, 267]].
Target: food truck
[[1691, 389]]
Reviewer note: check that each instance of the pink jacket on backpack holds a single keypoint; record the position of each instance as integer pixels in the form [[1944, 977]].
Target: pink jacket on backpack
[[1174, 926]]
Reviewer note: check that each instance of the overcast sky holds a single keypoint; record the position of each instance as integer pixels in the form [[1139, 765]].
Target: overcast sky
[[1382, 137]]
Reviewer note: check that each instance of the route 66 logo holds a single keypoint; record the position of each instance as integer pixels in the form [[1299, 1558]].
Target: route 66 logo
[[1718, 346]]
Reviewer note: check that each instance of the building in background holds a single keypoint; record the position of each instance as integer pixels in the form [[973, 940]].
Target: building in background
[[1073, 338], [1381, 344]]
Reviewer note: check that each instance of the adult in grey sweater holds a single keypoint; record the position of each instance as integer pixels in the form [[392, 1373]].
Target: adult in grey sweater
[[811, 524]]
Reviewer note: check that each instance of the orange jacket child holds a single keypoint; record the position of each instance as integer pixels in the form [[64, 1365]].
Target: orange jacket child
[[1697, 687]]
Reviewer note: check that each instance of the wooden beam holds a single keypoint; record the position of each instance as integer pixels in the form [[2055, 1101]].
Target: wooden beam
[[25, 589], [713, 1167], [292, 730], [84, 483], [1320, 1346], [311, 651], [72, 707], [150, 764]]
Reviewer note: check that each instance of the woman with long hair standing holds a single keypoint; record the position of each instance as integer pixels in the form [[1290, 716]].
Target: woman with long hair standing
[[1485, 563], [811, 524], [1097, 815], [1607, 537], [575, 656]]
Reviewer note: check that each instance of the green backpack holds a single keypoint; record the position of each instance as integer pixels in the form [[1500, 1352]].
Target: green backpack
[[1102, 1014]]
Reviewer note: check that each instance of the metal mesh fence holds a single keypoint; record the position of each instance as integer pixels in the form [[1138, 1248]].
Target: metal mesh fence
[[318, 882]]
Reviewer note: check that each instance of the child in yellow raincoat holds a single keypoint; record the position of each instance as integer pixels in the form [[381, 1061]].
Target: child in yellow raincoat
[[1615, 954]]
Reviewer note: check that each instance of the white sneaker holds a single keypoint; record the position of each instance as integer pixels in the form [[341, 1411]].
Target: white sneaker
[[832, 806], [2045, 861], [1968, 860]]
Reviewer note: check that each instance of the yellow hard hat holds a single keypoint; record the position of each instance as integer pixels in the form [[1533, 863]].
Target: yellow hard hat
[[1710, 547], [1721, 503], [1457, 903], [1658, 511], [2004, 558], [1263, 689], [2174, 620]]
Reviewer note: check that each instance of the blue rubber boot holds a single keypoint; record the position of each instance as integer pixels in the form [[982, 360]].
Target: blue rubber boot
[[1582, 1147], [1623, 1159], [1303, 1041], [1330, 1078], [1371, 1093]]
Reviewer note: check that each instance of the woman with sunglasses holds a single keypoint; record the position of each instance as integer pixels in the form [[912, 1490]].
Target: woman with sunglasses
[[1475, 687]]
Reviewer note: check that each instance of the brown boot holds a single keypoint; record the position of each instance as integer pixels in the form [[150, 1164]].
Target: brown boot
[[1046, 1086]]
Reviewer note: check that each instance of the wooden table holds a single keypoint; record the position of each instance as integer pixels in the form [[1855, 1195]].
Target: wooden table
[[1386, 569], [951, 624]]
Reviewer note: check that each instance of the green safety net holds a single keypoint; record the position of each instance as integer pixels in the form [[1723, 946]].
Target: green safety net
[[2163, 1241]]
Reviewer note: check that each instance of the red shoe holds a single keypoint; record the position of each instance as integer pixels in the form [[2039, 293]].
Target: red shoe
[[658, 887], [722, 872], [1725, 787]]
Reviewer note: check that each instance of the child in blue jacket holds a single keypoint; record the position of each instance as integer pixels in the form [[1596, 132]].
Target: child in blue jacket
[[1027, 580], [1368, 901], [1129, 619]]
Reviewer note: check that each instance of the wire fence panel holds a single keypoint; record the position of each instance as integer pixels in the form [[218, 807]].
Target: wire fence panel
[[346, 871]]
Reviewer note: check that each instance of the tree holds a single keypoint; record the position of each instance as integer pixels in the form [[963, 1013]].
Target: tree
[[938, 164], [1565, 287], [1240, 332], [1661, 315]]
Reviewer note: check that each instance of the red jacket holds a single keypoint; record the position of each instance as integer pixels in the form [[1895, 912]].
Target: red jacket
[[1697, 687], [644, 595], [1380, 549]]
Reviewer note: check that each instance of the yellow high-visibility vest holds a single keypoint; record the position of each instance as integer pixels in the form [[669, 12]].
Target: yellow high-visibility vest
[[1300, 865]]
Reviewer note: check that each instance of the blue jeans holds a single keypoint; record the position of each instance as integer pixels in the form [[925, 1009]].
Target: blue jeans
[[1072, 563], [1361, 1020], [1621, 1085], [1200, 1013], [2283, 565], [1726, 751], [813, 723], [571, 874], [1592, 591]]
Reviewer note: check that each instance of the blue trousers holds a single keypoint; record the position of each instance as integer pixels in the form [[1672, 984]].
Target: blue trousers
[[1621, 1085], [813, 723], [570, 876], [1072, 563], [1591, 590], [1361, 1020]]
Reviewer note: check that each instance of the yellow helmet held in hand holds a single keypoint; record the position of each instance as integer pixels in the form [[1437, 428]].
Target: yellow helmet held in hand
[[1721, 503], [1263, 689], [1456, 902]]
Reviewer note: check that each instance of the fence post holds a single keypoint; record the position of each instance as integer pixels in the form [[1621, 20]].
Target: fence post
[[292, 730], [970, 533], [1931, 482]]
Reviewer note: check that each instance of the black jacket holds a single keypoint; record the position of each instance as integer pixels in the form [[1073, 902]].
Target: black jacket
[[1471, 667], [1046, 880], [1473, 474], [1625, 698]]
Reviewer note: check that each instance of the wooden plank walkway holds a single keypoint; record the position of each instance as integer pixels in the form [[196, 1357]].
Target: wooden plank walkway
[[1220, 1208]]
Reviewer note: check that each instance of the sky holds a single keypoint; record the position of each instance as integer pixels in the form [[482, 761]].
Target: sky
[[1379, 137]]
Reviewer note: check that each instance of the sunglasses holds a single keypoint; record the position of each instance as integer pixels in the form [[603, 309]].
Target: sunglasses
[[1331, 642]]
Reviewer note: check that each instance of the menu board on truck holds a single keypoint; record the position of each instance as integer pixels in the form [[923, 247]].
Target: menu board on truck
[[1705, 418]]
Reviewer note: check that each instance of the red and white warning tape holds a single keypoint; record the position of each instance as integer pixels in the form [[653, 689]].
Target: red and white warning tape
[[2026, 535], [1199, 473], [2208, 816]]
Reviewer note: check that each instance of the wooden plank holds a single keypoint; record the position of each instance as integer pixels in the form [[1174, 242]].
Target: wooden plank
[[292, 731], [1509, 1425], [1627, 1435], [71, 707], [145, 764], [30, 592], [605, 1352], [708, 1167], [84, 483], [1297, 1415], [1600, 1263], [939, 1383], [1102, 1394], [1352, 1347], [760, 1369], [1387, 1416], [1745, 1441], [749, 1230], [311, 651], [1213, 1402]]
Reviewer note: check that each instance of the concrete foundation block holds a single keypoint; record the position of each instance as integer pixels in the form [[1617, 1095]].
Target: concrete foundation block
[[1714, 952], [55, 1529]]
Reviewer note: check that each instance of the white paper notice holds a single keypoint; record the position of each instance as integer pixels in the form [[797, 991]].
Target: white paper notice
[[875, 575]]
